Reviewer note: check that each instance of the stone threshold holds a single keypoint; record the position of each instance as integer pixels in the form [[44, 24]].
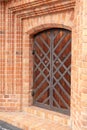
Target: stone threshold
[[50, 115]]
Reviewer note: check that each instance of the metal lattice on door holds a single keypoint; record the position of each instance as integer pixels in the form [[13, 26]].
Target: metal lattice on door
[[52, 70]]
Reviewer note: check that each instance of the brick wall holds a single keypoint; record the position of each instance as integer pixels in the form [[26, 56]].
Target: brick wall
[[79, 67], [10, 63], [18, 23], [17, 83], [2, 54]]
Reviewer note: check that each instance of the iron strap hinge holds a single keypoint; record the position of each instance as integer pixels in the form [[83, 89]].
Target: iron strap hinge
[[33, 93], [33, 52]]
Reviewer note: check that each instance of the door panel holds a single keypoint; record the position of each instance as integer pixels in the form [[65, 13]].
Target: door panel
[[52, 70], [42, 66]]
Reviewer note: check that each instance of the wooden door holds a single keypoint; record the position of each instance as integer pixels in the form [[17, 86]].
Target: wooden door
[[52, 70]]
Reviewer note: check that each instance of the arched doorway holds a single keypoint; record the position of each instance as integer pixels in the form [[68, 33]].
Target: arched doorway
[[52, 70]]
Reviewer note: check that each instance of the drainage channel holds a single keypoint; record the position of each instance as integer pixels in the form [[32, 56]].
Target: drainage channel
[[6, 126]]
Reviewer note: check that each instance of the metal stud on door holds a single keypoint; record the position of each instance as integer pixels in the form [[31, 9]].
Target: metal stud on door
[[52, 70]]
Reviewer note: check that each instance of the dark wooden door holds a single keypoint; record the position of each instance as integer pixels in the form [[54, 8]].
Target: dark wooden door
[[52, 70]]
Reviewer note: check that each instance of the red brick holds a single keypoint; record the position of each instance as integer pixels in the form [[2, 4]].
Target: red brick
[[17, 27]]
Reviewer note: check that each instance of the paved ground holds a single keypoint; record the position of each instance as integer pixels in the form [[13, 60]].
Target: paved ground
[[6, 126]]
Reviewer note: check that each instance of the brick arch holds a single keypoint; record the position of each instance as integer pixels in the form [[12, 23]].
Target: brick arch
[[42, 27], [28, 40]]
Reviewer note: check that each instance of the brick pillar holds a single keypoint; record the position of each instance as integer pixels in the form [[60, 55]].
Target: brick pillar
[[79, 67], [2, 53]]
